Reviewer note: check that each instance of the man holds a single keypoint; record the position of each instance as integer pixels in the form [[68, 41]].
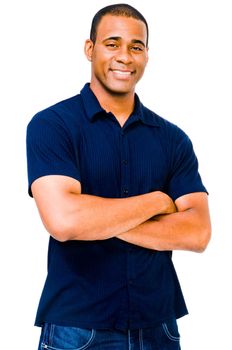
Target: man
[[118, 189]]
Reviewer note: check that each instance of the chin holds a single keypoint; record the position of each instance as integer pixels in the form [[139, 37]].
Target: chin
[[120, 90]]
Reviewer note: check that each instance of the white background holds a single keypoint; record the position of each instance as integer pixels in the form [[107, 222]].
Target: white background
[[188, 81]]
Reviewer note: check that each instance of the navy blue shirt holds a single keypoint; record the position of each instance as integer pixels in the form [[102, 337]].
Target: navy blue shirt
[[110, 283]]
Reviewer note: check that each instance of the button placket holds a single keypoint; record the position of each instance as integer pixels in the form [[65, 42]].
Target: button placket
[[124, 161], [125, 171], [131, 285]]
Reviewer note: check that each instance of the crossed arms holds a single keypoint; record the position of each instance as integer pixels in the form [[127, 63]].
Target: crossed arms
[[151, 220]]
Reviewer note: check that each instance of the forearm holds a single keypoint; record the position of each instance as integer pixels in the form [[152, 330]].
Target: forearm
[[86, 217], [177, 231]]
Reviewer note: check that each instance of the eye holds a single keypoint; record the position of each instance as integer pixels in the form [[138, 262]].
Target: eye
[[111, 45], [137, 48]]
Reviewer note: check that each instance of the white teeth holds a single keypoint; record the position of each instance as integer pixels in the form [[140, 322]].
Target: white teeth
[[122, 73]]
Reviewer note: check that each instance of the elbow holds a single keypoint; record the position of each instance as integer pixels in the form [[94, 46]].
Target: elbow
[[60, 231], [59, 236], [203, 240], [64, 231]]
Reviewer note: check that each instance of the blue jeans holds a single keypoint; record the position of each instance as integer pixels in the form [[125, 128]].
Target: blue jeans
[[163, 337]]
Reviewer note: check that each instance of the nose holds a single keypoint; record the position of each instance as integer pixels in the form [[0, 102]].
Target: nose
[[124, 55]]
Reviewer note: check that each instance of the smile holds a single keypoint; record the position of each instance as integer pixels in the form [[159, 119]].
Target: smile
[[123, 73]]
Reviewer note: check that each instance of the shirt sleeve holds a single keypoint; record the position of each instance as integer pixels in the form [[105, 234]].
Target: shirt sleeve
[[184, 177], [50, 150]]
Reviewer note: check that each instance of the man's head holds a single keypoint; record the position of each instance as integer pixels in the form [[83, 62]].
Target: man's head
[[117, 49], [124, 10]]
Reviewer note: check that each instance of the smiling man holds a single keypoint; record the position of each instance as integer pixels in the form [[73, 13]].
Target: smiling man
[[118, 189]]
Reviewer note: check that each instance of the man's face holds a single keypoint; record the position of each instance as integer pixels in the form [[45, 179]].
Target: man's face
[[119, 55]]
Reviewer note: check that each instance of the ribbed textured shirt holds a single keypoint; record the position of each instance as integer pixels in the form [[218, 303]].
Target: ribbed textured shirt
[[110, 283]]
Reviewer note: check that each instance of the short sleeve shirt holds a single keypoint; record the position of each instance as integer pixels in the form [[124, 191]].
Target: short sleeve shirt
[[110, 283]]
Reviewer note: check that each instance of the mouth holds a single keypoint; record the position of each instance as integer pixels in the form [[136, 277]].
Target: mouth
[[122, 74]]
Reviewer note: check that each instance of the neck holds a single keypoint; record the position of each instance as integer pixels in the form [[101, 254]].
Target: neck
[[120, 105]]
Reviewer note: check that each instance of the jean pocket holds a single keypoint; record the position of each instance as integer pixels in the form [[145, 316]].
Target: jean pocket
[[67, 338], [170, 330]]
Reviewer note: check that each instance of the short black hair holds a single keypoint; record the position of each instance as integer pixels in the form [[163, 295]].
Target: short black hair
[[116, 10]]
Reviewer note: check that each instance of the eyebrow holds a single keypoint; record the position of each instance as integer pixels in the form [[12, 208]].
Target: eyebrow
[[117, 38]]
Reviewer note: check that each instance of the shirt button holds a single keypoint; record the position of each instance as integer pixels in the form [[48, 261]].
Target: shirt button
[[125, 162], [125, 191]]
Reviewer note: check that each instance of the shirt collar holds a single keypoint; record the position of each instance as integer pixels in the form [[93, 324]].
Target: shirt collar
[[94, 109], [91, 104]]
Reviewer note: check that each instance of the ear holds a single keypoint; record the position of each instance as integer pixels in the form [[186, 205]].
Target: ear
[[147, 55], [89, 49]]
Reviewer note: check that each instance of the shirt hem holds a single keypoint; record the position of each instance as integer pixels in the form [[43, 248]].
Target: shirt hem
[[109, 325]]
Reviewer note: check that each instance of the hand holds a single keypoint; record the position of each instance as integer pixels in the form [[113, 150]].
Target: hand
[[167, 206]]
